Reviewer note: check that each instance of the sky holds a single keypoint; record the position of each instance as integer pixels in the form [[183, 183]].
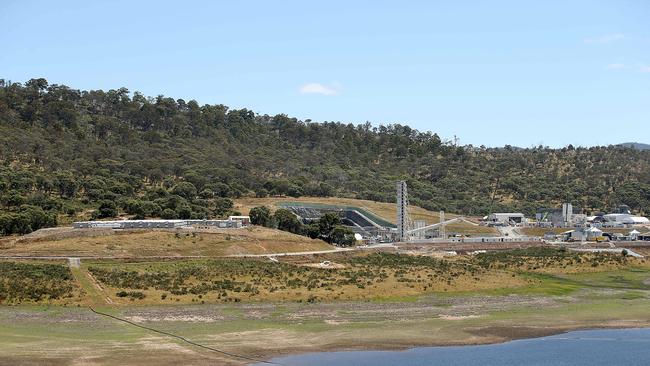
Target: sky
[[492, 73]]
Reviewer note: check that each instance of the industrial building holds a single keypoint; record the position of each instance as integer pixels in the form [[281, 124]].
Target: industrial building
[[360, 222], [505, 218], [583, 234], [156, 224], [567, 216], [622, 219]]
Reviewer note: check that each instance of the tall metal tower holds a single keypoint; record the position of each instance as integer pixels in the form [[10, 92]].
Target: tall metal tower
[[403, 218]]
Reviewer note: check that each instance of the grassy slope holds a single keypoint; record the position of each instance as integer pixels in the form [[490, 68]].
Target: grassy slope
[[140, 243], [273, 287], [386, 211]]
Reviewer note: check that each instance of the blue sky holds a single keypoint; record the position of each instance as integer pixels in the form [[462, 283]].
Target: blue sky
[[507, 72]]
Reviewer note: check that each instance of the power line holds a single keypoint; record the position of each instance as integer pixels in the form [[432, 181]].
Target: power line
[[184, 339]]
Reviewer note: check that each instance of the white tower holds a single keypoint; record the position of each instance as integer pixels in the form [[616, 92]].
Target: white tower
[[567, 213], [442, 231], [403, 219]]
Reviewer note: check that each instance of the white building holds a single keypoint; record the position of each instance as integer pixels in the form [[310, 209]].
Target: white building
[[155, 224], [245, 220], [620, 219], [582, 234]]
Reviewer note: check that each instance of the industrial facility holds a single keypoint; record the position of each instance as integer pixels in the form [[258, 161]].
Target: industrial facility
[[233, 222], [371, 229], [363, 223]]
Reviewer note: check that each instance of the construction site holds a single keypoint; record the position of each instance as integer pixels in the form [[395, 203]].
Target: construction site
[[373, 229]]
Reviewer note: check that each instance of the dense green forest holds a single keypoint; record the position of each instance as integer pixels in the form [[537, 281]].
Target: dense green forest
[[68, 154]]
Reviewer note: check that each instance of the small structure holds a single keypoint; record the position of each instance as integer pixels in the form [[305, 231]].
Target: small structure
[[506, 218], [634, 234], [245, 220], [549, 235], [593, 233], [616, 236], [582, 234], [623, 209]]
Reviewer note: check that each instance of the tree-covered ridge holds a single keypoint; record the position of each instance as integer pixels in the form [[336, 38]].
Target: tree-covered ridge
[[68, 152]]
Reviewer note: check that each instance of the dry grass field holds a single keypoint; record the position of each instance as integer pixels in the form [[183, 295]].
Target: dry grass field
[[386, 211], [350, 277], [148, 243], [359, 275], [261, 308]]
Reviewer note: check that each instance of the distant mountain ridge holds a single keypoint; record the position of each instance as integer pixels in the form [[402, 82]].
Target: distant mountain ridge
[[635, 145]]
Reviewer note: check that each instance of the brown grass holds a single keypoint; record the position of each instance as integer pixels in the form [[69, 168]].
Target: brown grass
[[415, 281], [141, 243]]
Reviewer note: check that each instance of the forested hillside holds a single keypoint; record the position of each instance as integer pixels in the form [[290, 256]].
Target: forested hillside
[[70, 154]]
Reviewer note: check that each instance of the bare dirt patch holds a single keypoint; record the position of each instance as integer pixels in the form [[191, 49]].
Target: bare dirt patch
[[325, 265]]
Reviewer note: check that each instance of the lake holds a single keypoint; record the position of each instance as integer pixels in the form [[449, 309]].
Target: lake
[[592, 347]]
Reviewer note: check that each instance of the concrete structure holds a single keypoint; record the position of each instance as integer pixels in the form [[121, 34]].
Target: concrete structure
[[506, 218], [623, 209], [418, 224], [245, 220], [567, 213], [131, 224], [220, 224], [403, 219], [567, 216], [156, 224], [357, 221]]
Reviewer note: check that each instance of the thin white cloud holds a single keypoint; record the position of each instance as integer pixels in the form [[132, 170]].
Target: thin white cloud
[[318, 88], [640, 67], [607, 38], [616, 66]]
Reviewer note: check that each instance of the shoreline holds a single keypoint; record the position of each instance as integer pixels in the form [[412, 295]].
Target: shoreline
[[536, 332], [267, 340]]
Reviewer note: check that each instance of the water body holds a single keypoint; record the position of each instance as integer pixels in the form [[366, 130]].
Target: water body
[[593, 348]]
